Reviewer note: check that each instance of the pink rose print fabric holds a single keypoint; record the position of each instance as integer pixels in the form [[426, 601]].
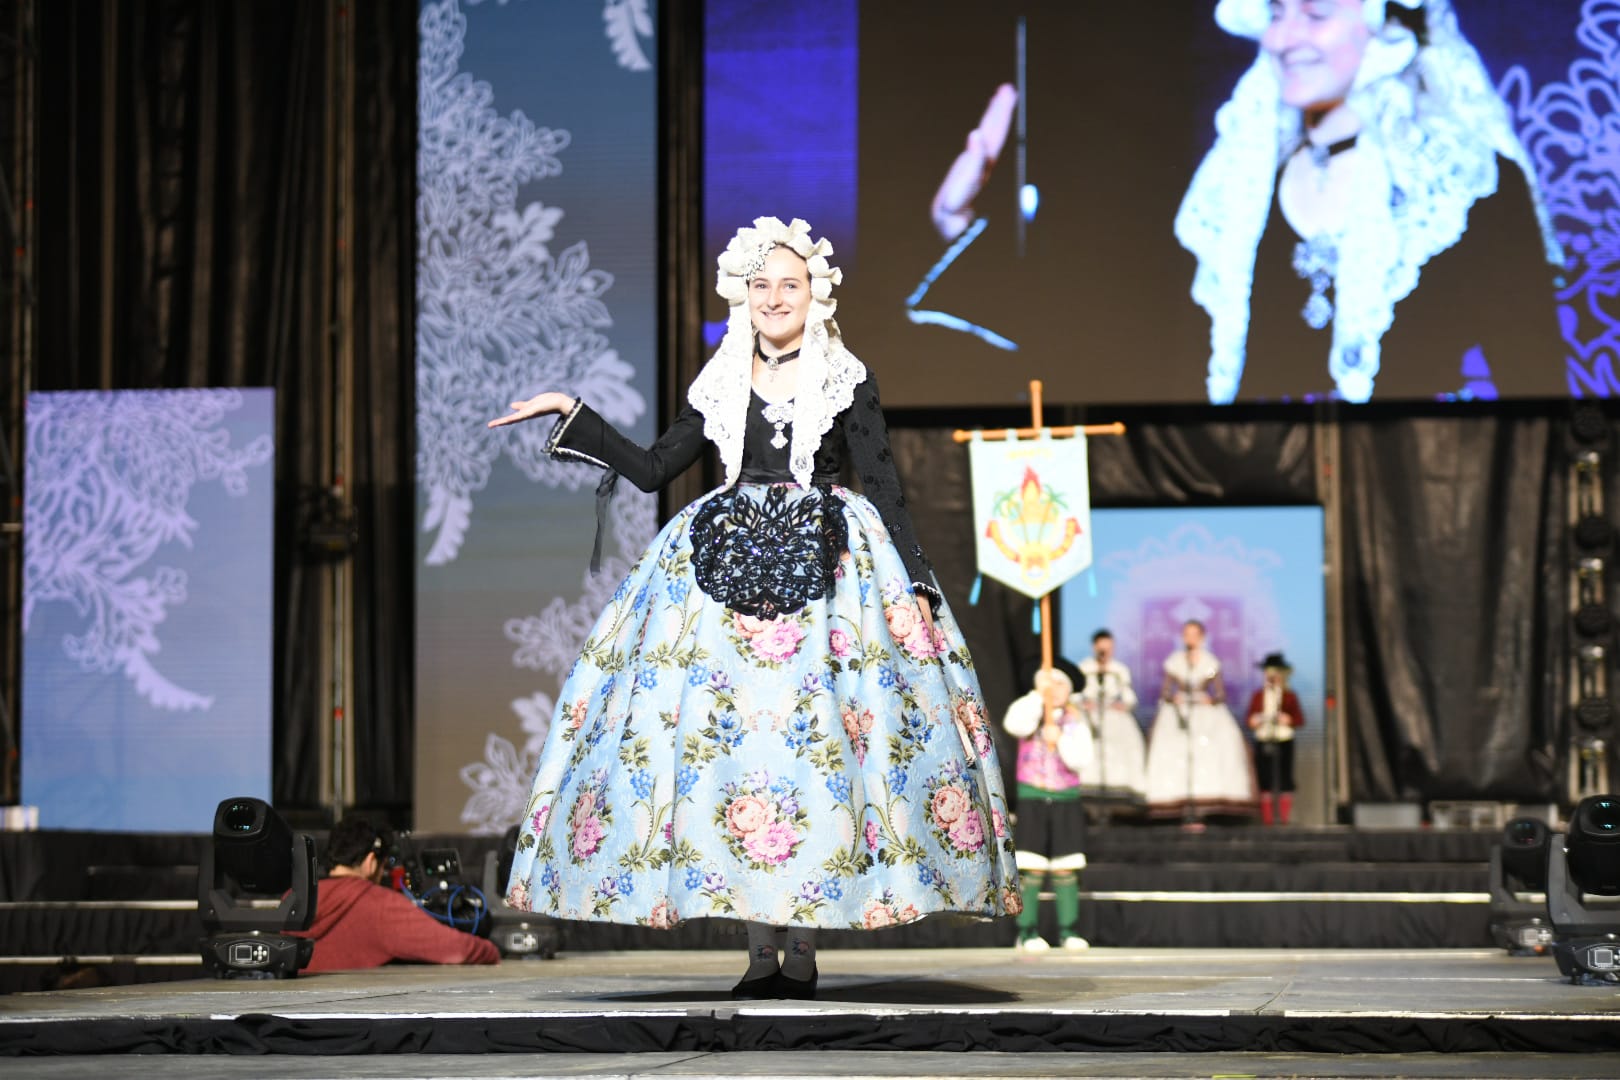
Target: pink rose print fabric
[[828, 767]]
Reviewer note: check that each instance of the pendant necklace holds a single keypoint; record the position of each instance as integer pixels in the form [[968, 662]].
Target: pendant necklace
[[774, 363], [1317, 260], [777, 413], [1321, 155]]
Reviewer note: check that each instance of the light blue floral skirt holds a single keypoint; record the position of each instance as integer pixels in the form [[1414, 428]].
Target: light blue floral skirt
[[831, 767]]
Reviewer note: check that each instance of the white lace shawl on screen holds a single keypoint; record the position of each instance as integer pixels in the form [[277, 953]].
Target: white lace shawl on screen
[[1432, 126], [828, 372]]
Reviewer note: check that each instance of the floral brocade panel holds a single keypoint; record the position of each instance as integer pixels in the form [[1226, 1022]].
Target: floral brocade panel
[[829, 767]]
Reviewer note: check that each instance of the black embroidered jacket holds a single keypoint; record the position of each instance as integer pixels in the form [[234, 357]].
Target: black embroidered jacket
[[859, 434]]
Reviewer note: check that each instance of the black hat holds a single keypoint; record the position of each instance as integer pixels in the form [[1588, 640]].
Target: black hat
[[1276, 660], [1062, 663]]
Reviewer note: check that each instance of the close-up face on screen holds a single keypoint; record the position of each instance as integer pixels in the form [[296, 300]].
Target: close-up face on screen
[[1292, 201]]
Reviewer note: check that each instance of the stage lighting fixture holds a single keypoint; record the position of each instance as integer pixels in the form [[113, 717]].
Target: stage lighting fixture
[[1585, 865], [1592, 845], [1519, 865], [1594, 715], [256, 882], [518, 934], [1588, 424], [1593, 532], [1593, 620]]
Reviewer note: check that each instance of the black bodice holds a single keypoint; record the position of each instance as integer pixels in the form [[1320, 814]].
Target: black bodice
[[1482, 310], [858, 436], [764, 463]]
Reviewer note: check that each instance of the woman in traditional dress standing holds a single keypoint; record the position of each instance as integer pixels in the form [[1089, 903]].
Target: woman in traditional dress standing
[[776, 718], [1197, 759]]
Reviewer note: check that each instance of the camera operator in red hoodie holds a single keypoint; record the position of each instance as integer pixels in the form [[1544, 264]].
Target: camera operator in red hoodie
[[361, 924]]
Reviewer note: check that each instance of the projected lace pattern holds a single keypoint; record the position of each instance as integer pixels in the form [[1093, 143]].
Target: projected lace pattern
[[109, 476], [500, 314], [1571, 130]]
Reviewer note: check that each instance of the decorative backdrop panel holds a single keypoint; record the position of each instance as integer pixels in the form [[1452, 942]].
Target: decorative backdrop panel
[[1251, 575], [537, 249], [146, 606]]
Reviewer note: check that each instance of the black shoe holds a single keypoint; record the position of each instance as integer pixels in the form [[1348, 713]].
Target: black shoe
[[798, 989], [763, 988]]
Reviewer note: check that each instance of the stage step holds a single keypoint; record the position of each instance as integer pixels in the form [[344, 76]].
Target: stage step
[[1147, 886]]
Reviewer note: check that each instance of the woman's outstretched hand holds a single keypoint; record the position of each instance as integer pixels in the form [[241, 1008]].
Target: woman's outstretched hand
[[542, 404], [952, 208]]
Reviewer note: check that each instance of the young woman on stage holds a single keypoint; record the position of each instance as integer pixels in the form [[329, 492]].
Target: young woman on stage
[[1197, 759], [775, 719]]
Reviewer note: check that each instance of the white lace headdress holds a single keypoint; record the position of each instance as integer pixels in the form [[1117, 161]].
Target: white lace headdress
[[828, 372], [1433, 125]]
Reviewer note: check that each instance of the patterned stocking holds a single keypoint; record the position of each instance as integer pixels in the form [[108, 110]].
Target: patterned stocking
[[761, 950], [799, 960]]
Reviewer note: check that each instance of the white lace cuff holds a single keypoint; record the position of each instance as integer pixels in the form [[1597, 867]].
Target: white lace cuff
[[923, 588], [554, 447]]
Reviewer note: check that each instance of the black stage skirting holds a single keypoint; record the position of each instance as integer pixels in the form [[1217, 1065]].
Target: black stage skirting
[[1119, 1000], [1006, 1032]]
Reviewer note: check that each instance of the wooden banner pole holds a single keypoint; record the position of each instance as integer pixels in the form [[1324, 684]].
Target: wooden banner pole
[[1035, 418]]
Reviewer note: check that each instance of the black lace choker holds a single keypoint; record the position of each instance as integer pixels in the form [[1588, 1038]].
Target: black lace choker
[[1321, 155], [774, 362]]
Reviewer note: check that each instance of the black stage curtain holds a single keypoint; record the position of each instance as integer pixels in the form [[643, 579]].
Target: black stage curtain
[[1456, 607], [186, 181]]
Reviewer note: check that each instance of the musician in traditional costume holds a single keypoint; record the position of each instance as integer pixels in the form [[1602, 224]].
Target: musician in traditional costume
[[1274, 716], [1054, 746]]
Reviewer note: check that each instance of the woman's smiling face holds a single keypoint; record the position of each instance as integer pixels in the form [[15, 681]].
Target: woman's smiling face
[[1317, 47], [779, 297]]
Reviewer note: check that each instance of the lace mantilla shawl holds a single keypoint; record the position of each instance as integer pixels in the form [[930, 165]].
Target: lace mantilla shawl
[[828, 372], [1433, 127]]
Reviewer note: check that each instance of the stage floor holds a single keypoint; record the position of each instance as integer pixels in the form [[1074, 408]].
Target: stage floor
[[1000, 1013]]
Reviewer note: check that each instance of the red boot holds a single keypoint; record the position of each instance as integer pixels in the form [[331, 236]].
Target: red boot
[[1285, 807], [1265, 808]]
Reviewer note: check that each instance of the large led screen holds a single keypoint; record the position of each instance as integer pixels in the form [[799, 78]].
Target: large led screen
[[147, 606], [537, 269], [1299, 201]]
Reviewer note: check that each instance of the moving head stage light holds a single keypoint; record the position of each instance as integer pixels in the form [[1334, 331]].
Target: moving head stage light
[[1519, 865], [518, 934], [1587, 934], [256, 882]]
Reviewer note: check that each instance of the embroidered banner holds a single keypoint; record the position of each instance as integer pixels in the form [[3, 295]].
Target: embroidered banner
[[1032, 511]]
